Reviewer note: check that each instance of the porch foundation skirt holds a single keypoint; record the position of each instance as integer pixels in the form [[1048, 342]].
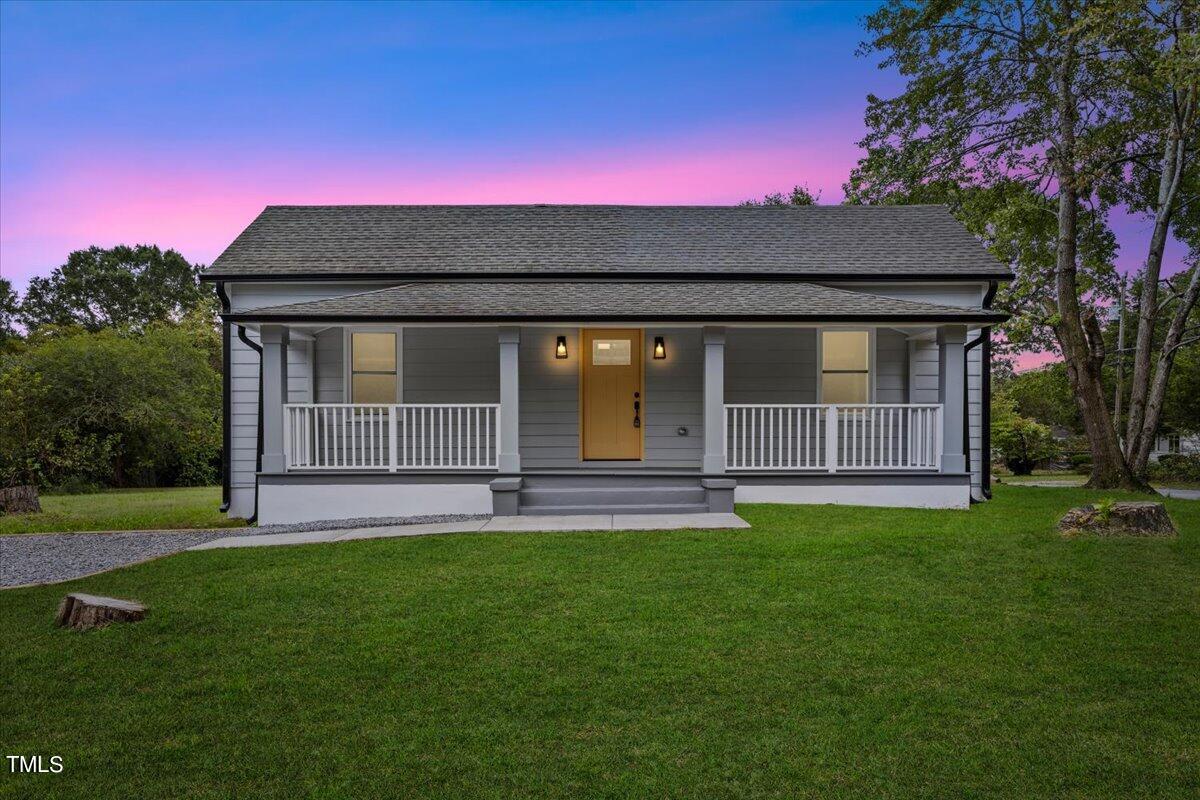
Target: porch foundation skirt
[[936, 490], [291, 498], [308, 497]]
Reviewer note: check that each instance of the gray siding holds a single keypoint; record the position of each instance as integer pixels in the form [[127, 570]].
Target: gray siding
[[975, 412], [549, 396], [771, 365], [961, 295], [674, 399], [330, 377], [451, 365], [923, 376], [891, 366]]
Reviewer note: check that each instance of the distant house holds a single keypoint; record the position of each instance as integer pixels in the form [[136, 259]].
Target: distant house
[[398, 360], [1167, 444]]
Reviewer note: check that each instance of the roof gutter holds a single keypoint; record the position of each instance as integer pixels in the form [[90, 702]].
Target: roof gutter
[[375, 277], [252, 317]]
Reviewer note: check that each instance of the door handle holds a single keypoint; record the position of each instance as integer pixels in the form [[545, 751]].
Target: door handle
[[637, 410]]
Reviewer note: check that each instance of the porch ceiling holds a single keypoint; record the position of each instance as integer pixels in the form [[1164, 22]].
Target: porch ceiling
[[694, 301]]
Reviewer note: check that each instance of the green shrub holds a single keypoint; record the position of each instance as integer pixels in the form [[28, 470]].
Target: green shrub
[[1020, 442], [114, 408], [1177, 467]]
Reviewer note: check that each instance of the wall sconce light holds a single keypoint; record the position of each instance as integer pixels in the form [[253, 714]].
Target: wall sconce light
[[660, 349], [560, 347]]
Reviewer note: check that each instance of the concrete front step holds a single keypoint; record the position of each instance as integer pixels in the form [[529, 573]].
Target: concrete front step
[[585, 481], [650, 508], [613, 495]]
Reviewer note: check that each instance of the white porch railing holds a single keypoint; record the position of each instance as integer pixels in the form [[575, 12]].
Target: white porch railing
[[331, 436], [828, 438]]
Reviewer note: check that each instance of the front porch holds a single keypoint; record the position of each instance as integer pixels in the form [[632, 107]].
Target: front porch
[[492, 419]]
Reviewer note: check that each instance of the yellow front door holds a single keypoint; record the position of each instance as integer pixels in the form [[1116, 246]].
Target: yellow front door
[[611, 394]]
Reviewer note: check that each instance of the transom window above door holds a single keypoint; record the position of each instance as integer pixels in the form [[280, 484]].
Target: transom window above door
[[845, 367], [372, 367]]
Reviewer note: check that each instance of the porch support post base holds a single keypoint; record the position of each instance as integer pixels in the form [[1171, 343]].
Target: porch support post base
[[714, 400], [951, 380], [274, 339], [506, 497], [508, 456]]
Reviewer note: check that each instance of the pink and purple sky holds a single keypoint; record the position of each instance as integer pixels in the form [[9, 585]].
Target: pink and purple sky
[[174, 124]]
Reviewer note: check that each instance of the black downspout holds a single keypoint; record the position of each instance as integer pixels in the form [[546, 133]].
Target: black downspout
[[259, 448], [226, 397], [986, 450], [967, 405], [985, 385]]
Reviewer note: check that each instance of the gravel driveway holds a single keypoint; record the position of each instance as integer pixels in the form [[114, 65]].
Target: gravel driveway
[[51, 557]]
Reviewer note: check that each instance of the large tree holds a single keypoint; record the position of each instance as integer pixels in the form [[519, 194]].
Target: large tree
[[1052, 95], [118, 287], [1156, 58], [9, 308], [798, 196]]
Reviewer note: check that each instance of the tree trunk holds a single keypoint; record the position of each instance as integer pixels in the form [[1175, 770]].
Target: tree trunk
[[1109, 470], [20, 500], [1162, 372], [1171, 170], [86, 611]]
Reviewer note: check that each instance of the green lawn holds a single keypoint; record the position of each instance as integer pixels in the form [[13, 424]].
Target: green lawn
[[124, 510], [828, 652]]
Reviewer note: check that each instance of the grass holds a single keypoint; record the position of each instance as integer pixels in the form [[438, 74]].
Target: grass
[[124, 510], [828, 652]]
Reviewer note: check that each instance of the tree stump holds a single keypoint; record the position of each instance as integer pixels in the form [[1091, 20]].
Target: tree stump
[[1135, 518], [20, 500], [86, 611]]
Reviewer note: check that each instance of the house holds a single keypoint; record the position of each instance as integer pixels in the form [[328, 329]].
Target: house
[[404, 360], [1174, 444]]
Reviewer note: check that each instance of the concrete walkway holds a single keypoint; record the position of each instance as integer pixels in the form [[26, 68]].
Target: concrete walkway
[[588, 522]]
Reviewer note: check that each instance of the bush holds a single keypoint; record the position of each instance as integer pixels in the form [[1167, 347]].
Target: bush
[[1020, 442], [115, 408], [1177, 467]]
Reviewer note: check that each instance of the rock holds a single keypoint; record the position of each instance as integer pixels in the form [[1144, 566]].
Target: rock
[[1134, 518], [86, 611], [20, 500]]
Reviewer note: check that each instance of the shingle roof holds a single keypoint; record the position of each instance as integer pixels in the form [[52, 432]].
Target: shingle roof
[[613, 300], [507, 241]]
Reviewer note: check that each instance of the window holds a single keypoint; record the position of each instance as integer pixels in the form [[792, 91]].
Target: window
[[611, 352], [845, 366], [372, 367]]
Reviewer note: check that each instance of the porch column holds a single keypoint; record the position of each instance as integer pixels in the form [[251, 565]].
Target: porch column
[[509, 457], [714, 400], [951, 380], [274, 340]]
